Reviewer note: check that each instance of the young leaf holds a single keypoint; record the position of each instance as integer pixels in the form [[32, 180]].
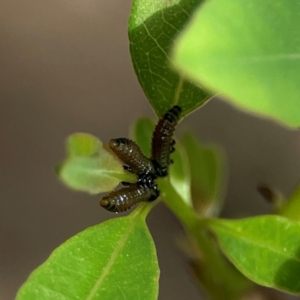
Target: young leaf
[[207, 166], [152, 30], [141, 133], [248, 50], [83, 144], [265, 249], [180, 175], [90, 167], [113, 260]]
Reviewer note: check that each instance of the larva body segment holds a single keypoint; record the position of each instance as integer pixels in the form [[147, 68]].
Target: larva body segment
[[123, 199], [131, 155], [162, 140]]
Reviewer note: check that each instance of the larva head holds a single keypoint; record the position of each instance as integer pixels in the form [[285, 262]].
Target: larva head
[[173, 114], [154, 193], [116, 143], [108, 205], [176, 110]]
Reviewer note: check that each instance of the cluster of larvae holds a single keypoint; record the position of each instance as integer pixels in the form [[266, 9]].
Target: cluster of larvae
[[146, 169]]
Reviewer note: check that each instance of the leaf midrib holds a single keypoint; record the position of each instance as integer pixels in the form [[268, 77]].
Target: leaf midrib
[[110, 263], [255, 241]]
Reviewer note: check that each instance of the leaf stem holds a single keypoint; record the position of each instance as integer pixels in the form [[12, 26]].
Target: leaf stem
[[217, 273], [173, 200], [143, 210], [291, 208]]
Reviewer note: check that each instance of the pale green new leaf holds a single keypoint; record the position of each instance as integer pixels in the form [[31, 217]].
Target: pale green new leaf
[[180, 174], [91, 168], [83, 144], [208, 174], [141, 133]]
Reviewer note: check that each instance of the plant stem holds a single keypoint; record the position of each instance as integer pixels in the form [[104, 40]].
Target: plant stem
[[291, 208], [217, 275]]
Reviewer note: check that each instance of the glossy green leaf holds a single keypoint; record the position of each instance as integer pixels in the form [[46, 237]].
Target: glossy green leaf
[[90, 167], [249, 51], [153, 26], [113, 260], [141, 133], [207, 165], [265, 249]]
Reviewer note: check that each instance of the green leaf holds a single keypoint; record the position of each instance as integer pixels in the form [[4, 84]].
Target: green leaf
[[152, 30], [90, 167], [93, 174], [207, 165], [83, 144], [180, 176], [265, 249], [141, 133], [113, 260], [249, 51]]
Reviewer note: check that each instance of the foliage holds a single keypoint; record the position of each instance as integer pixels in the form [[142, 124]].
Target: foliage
[[247, 50], [100, 263]]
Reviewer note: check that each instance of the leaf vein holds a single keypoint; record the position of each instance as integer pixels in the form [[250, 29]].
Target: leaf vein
[[156, 42], [110, 263], [260, 243]]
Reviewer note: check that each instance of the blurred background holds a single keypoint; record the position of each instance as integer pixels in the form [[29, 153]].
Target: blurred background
[[65, 67]]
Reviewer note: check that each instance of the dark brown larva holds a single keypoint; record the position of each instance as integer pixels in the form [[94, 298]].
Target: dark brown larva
[[162, 140], [131, 155], [123, 199], [147, 170]]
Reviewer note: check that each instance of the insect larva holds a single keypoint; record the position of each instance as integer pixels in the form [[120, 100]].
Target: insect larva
[[123, 199], [145, 189], [162, 140], [131, 155]]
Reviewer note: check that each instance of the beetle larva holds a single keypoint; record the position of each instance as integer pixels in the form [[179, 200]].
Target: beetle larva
[[131, 155], [123, 199], [162, 140]]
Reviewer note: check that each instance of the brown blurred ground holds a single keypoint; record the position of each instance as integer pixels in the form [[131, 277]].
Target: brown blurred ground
[[65, 67]]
